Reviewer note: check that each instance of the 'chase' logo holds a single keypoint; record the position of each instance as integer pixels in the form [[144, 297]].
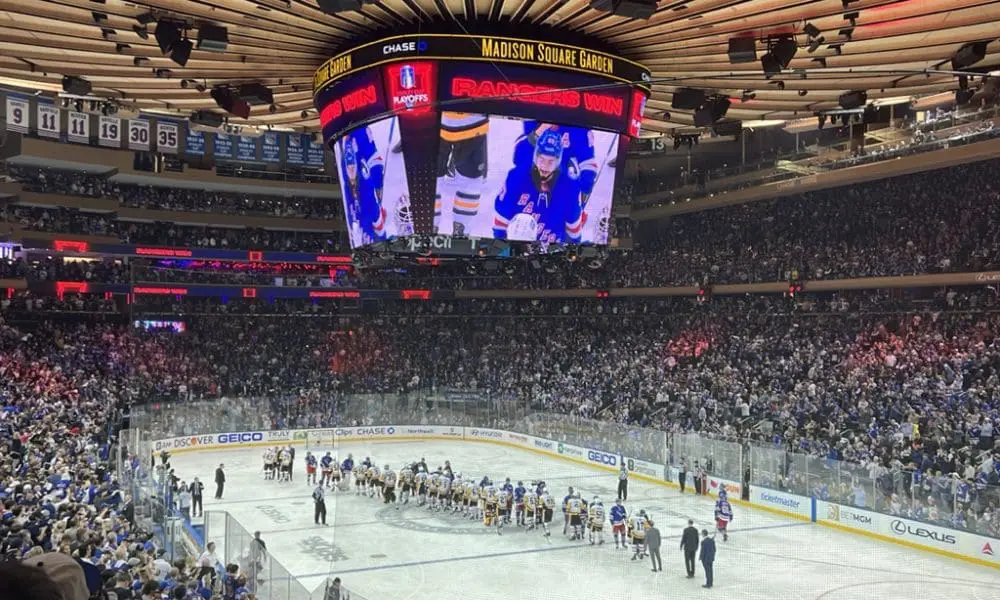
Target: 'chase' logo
[[404, 47], [235, 438]]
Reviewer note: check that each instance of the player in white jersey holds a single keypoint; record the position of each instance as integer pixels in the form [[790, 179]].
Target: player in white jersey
[[270, 458], [432, 490], [420, 483], [374, 481], [457, 493], [406, 483], [285, 460], [637, 525], [596, 517], [469, 497], [389, 481], [530, 508], [491, 498], [444, 491], [336, 475], [504, 502], [546, 506], [574, 509]]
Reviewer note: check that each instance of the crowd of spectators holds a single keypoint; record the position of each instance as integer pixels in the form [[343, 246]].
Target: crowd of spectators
[[133, 195], [63, 220]]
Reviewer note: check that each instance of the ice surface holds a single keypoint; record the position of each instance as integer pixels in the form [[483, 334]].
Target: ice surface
[[414, 554]]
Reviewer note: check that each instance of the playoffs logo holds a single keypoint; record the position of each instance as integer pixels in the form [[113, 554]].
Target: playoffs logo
[[411, 85]]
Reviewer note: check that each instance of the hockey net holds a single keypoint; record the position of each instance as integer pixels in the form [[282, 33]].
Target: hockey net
[[320, 439]]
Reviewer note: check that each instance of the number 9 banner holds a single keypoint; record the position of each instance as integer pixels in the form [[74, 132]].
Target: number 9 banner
[[138, 134], [17, 115], [166, 137]]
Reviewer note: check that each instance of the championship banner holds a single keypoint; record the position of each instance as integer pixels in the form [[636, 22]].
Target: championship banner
[[270, 147], [295, 151], [246, 148], [18, 118], [167, 137], [223, 146], [194, 142], [79, 127], [109, 132], [48, 121], [138, 134], [314, 153], [484, 49]]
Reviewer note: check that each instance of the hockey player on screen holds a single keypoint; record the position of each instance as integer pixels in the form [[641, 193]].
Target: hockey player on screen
[[539, 202], [723, 514], [363, 178], [579, 160], [461, 171]]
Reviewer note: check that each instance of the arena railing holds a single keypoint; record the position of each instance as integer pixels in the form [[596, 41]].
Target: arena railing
[[895, 491]]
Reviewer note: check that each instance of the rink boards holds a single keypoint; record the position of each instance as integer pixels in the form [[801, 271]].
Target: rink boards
[[930, 538]]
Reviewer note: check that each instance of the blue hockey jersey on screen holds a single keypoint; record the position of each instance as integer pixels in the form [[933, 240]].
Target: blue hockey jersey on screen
[[578, 161], [365, 217], [554, 207]]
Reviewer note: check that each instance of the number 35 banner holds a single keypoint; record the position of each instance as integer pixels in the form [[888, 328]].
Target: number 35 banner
[[166, 137], [138, 134]]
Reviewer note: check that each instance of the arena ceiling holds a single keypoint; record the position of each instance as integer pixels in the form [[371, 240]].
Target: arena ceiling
[[891, 48]]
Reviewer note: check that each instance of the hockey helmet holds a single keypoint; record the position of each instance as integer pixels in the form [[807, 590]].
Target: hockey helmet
[[548, 153], [723, 493], [642, 513], [596, 500]]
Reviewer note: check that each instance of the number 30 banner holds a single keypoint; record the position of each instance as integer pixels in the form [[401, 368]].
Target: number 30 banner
[[138, 134]]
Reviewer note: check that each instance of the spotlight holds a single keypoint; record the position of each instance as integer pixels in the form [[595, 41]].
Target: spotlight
[[821, 61], [811, 30], [846, 32], [120, 47], [65, 102], [184, 84], [304, 114], [168, 33], [837, 48], [822, 121], [78, 106], [748, 95], [140, 61], [200, 87], [93, 105], [963, 82], [145, 18], [181, 51], [779, 56], [815, 43], [803, 92], [272, 109], [141, 31], [852, 17]]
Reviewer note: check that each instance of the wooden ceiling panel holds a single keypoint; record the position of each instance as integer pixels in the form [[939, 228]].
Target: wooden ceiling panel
[[895, 47]]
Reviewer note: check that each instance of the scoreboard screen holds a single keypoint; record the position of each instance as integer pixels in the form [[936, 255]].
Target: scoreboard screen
[[545, 126]]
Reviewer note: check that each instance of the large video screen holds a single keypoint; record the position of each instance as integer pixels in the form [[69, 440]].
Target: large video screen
[[372, 175], [523, 180]]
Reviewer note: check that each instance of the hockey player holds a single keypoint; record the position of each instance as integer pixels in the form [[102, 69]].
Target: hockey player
[[285, 462], [406, 483], [432, 489], [503, 508], [637, 525], [574, 508], [530, 509], [519, 493], [336, 474], [618, 519], [444, 490], [565, 508], [723, 514], [389, 481], [270, 460], [420, 483], [326, 468], [546, 506], [375, 484], [462, 168], [596, 521], [360, 476], [539, 202], [469, 498], [578, 159], [362, 186], [457, 492], [347, 467], [311, 464], [491, 497]]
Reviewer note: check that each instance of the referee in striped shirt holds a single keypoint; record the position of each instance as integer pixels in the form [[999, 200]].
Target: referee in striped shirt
[[319, 499]]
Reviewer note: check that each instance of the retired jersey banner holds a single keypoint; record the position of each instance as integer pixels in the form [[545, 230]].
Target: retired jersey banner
[[109, 132], [167, 137], [48, 121], [138, 134], [18, 118], [78, 129], [194, 143], [270, 147]]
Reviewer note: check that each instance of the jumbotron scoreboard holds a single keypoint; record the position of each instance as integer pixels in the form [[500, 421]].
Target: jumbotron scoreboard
[[477, 136]]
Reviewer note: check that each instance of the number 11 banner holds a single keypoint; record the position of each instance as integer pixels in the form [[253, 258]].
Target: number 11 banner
[[79, 127], [48, 120]]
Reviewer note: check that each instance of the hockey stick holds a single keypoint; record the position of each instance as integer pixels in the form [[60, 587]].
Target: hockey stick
[[597, 177]]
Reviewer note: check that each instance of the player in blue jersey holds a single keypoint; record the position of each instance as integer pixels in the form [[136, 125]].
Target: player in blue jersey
[[618, 518], [578, 161], [363, 175], [326, 468], [723, 514], [311, 463], [539, 202], [519, 493]]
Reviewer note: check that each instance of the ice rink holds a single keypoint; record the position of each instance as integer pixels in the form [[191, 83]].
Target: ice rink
[[415, 554]]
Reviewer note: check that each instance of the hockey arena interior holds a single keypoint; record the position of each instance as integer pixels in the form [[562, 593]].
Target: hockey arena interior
[[423, 299]]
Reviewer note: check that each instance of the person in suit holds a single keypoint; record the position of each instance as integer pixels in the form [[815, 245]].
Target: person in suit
[[653, 546], [707, 557], [689, 544], [220, 482], [197, 488]]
